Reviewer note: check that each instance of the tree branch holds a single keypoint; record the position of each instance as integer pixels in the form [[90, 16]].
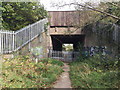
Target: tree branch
[[94, 9], [115, 5]]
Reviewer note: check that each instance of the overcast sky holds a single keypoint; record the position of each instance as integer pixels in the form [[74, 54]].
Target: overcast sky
[[48, 4]]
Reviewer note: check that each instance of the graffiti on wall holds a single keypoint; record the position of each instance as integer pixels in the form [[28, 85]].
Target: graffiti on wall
[[91, 51]]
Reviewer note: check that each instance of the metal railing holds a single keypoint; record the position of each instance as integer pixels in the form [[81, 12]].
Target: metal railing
[[13, 40], [64, 55]]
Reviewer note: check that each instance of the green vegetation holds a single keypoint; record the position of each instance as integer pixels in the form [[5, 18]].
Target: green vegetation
[[114, 9], [100, 23], [68, 47], [22, 72], [16, 15], [53, 62], [0, 15], [95, 72]]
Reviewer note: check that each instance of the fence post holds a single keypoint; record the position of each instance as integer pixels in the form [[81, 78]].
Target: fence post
[[0, 43], [29, 38], [13, 41]]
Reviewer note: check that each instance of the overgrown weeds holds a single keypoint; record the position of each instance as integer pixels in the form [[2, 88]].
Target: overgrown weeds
[[22, 72], [95, 72]]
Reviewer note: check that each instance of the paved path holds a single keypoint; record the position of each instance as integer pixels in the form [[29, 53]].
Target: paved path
[[64, 80]]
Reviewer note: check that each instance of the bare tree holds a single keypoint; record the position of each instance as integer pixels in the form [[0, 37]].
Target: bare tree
[[90, 7], [90, 12]]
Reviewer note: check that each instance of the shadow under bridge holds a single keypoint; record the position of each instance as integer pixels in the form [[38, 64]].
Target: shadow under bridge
[[59, 40]]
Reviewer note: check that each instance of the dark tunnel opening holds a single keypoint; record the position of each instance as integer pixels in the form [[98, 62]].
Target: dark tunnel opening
[[59, 40]]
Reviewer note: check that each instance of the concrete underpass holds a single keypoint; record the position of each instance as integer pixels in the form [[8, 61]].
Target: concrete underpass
[[58, 40]]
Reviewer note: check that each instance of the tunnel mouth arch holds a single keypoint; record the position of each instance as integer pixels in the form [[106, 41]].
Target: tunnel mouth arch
[[58, 40]]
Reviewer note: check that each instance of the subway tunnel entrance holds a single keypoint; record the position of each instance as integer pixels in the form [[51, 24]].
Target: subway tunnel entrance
[[59, 40]]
